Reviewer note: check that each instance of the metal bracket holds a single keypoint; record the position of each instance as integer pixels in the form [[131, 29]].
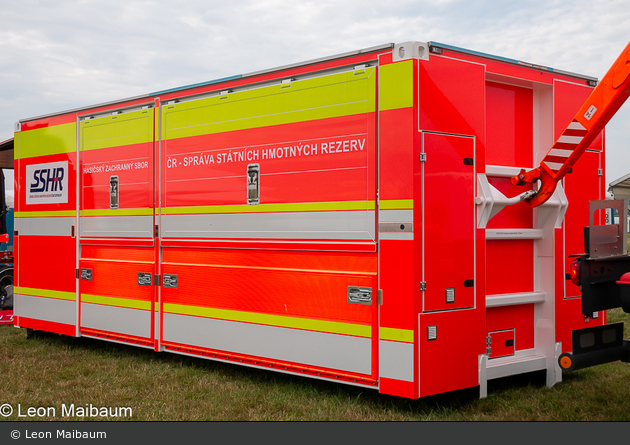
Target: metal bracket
[[609, 239], [410, 50], [359, 69]]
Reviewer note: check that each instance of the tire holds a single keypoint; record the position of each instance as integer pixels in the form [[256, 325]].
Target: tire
[[6, 287]]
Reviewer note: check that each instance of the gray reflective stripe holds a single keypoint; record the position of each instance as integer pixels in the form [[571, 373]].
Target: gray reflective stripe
[[341, 352], [396, 236], [395, 215], [355, 225], [113, 226], [57, 226], [396, 360], [120, 320], [46, 309], [156, 324]]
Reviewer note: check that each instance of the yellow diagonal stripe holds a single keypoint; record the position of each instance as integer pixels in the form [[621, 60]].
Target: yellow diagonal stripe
[[114, 301], [45, 214], [332, 327], [396, 204], [113, 131], [396, 85], [335, 95], [266, 208], [394, 334], [60, 295], [117, 212], [52, 140]]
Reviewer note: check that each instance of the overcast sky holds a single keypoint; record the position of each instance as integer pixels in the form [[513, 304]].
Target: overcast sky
[[66, 54]]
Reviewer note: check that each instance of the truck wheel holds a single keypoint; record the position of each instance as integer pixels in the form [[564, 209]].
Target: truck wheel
[[6, 288]]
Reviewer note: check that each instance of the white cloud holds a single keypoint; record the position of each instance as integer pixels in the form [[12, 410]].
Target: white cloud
[[65, 54]]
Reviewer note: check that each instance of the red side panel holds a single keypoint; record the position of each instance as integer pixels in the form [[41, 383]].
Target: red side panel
[[449, 217], [451, 361], [40, 264], [518, 318], [452, 101], [452, 97], [509, 120]]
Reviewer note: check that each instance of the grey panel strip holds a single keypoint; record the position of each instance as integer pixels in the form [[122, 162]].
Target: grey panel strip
[[396, 360], [47, 309], [395, 215], [58, 226], [396, 236], [395, 227], [113, 226], [355, 225], [341, 352], [120, 320]]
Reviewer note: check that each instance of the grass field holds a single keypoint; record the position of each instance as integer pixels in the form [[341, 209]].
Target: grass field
[[51, 370]]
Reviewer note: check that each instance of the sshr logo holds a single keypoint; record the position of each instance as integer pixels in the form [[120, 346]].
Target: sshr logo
[[48, 180], [48, 183]]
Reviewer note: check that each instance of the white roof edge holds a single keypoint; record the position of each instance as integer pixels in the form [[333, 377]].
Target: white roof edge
[[254, 73], [87, 107], [322, 59]]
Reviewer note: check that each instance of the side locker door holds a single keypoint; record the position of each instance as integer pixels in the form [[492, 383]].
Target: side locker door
[[449, 222], [267, 224], [116, 225]]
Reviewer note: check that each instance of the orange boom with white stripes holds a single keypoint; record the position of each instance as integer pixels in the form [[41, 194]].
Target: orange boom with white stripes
[[344, 219]]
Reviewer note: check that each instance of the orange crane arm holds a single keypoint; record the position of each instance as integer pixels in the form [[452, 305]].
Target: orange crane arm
[[588, 122]]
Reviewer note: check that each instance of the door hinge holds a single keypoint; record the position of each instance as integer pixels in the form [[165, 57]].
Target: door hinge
[[76, 273], [423, 157], [423, 286], [488, 345], [379, 296], [600, 172], [157, 231], [157, 280]]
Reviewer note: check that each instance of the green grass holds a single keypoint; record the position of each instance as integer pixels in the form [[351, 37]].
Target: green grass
[[50, 369]]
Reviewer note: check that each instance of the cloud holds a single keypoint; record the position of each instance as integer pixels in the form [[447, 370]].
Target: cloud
[[67, 54]]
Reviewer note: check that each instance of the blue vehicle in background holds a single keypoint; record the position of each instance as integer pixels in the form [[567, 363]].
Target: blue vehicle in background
[[6, 232]]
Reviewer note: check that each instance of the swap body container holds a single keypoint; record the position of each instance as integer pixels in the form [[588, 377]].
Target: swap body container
[[326, 219]]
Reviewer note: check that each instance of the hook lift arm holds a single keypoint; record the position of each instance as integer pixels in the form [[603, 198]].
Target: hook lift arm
[[604, 101]]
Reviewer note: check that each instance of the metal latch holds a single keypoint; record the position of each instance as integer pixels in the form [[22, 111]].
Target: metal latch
[[359, 295], [169, 281], [360, 69], [253, 184], [144, 279], [86, 274], [113, 192]]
